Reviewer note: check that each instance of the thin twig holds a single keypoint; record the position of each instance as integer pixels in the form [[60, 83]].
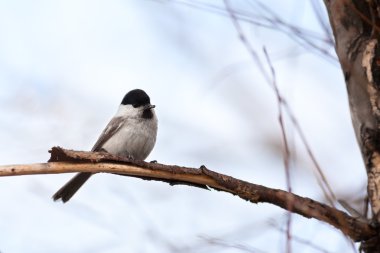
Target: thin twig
[[303, 37], [225, 244], [299, 239], [286, 155], [326, 189], [246, 43]]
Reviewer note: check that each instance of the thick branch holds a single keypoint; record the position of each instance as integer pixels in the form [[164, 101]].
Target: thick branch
[[356, 30], [355, 26], [64, 161]]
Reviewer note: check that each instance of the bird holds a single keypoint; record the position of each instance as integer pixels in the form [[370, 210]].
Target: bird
[[131, 133]]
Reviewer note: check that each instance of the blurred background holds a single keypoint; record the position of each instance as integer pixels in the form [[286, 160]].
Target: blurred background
[[66, 65]]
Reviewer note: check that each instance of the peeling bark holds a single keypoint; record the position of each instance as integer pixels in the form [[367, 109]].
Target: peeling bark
[[355, 24]]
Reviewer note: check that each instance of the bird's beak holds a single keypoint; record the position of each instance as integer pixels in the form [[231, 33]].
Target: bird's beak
[[148, 107]]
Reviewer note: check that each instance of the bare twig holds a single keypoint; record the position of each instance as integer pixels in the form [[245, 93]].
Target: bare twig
[[286, 149], [298, 239], [245, 41], [316, 4], [306, 38], [326, 189], [65, 161], [330, 196], [225, 244]]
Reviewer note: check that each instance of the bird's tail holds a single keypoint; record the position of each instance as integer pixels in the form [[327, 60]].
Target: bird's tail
[[71, 187]]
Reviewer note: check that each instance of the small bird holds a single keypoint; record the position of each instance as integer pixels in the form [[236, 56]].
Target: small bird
[[130, 133]]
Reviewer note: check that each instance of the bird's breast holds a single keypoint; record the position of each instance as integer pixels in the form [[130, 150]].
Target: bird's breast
[[136, 138]]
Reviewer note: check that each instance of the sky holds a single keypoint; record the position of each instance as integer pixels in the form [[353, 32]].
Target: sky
[[65, 67]]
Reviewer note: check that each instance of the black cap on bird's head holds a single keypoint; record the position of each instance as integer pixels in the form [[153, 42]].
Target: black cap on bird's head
[[136, 98]]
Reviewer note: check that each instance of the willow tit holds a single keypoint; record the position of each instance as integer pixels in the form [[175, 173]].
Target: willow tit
[[131, 133]]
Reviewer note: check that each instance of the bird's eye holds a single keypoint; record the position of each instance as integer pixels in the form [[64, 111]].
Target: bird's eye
[[135, 105]]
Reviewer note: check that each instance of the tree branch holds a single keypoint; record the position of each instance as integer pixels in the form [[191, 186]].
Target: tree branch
[[66, 161], [355, 24]]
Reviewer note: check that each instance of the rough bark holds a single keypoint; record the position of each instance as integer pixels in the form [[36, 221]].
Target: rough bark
[[355, 24], [64, 161]]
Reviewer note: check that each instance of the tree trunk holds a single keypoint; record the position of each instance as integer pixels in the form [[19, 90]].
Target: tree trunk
[[356, 28]]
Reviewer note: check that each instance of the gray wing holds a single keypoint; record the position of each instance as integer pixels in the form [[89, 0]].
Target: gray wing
[[112, 127]]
